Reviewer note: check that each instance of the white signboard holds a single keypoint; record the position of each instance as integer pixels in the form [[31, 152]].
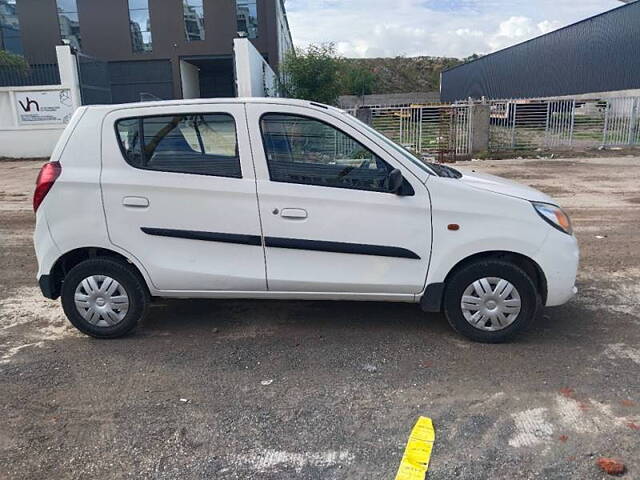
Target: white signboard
[[44, 106]]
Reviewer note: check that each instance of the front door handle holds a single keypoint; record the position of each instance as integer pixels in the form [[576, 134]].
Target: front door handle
[[135, 202], [295, 213]]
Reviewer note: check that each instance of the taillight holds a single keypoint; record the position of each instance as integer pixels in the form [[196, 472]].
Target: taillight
[[46, 178]]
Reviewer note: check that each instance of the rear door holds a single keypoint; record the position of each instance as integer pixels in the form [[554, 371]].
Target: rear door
[[179, 194], [330, 223]]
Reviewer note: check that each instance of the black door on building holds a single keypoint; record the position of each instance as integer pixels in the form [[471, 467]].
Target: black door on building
[[216, 76]]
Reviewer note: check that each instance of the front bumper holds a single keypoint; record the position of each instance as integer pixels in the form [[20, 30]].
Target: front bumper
[[559, 258]]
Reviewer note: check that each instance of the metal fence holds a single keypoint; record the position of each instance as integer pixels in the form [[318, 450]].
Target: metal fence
[[564, 124], [446, 131], [443, 131], [37, 74]]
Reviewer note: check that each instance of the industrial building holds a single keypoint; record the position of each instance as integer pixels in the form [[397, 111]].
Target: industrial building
[[597, 55]]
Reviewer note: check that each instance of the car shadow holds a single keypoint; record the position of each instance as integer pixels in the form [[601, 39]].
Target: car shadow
[[234, 316], [244, 319]]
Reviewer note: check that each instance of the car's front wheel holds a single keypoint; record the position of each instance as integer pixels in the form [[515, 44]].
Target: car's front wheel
[[490, 301], [104, 298]]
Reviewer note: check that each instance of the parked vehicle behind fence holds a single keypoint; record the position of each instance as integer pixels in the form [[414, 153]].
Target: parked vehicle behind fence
[[286, 199]]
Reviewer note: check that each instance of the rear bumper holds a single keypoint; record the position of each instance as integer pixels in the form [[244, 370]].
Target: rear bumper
[[558, 258], [47, 253]]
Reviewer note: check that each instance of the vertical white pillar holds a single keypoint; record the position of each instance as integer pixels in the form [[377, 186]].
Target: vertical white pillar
[[69, 78]]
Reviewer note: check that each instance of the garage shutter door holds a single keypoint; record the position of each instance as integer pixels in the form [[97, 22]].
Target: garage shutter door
[[131, 79]]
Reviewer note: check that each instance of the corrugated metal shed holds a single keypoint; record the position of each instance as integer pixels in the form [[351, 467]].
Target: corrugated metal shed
[[599, 54]]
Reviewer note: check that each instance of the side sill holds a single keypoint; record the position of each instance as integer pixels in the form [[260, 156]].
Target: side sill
[[279, 295]]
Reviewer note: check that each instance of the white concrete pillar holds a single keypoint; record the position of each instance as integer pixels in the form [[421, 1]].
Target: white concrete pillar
[[69, 77], [253, 73]]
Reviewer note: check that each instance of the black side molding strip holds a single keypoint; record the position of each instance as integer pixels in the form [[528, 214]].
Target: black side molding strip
[[206, 236], [292, 243], [339, 247]]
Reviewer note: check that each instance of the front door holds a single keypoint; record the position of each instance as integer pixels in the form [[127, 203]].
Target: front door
[[179, 194], [329, 221]]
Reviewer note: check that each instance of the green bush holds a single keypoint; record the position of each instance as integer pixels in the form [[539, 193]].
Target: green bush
[[318, 74], [357, 79], [18, 62], [313, 74]]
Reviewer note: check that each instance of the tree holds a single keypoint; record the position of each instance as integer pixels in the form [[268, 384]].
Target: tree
[[313, 74], [473, 57], [357, 79], [17, 62]]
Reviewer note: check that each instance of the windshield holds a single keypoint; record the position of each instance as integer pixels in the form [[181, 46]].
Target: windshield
[[403, 151]]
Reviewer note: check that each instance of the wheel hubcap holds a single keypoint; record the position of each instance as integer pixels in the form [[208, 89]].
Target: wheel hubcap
[[491, 304], [101, 301]]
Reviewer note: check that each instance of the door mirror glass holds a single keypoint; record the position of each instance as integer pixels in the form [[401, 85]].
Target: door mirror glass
[[395, 180], [397, 184]]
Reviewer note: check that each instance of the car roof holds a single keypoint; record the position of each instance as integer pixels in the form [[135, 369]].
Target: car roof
[[212, 101]]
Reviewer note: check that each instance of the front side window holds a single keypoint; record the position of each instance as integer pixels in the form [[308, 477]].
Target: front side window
[[69, 22], [202, 144], [247, 15], [10, 27], [140, 26], [304, 150], [193, 19]]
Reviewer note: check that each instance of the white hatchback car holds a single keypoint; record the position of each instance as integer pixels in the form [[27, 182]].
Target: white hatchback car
[[286, 199]]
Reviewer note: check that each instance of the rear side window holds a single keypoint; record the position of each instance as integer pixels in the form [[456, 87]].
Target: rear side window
[[202, 144], [308, 151]]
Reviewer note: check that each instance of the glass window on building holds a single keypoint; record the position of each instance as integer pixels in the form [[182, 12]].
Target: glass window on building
[[10, 27], [140, 26], [247, 14], [193, 20], [69, 22]]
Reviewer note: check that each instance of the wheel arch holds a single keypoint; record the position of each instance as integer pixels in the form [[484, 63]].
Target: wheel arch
[[70, 259], [434, 293]]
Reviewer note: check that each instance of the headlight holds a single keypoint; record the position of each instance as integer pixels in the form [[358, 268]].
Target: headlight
[[554, 216]]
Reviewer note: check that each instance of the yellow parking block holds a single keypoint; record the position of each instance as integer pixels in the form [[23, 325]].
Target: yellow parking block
[[415, 461]]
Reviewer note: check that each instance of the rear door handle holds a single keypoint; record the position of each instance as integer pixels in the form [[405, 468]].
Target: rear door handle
[[135, 202], [295, 213]]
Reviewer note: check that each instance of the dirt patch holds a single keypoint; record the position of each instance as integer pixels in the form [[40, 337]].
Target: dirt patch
[[556, 164], [521, 176], [551, 190], [10, 160]]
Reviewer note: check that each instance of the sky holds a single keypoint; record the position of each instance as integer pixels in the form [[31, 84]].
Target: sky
[[443, 28]]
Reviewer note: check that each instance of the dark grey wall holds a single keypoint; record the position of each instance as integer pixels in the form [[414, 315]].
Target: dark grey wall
[[596, 55], [104, 27], [39, 29]]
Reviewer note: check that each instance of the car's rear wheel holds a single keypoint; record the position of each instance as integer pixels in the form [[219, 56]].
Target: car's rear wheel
[[490, 301], [104, 298]]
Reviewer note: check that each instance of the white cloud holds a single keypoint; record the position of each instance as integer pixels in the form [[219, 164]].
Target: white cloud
[[519, 29], [369, 28]]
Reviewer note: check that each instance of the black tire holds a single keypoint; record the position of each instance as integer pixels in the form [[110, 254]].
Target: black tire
[[463, 278], [128, 279]]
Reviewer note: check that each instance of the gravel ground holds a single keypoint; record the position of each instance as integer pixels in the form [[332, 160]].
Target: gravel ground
[[311, 390]]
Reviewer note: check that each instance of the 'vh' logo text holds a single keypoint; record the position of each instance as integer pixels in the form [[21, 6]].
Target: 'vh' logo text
[[30, 103]]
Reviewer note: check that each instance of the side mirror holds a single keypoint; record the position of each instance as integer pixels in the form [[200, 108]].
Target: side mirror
[[395, 181]]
